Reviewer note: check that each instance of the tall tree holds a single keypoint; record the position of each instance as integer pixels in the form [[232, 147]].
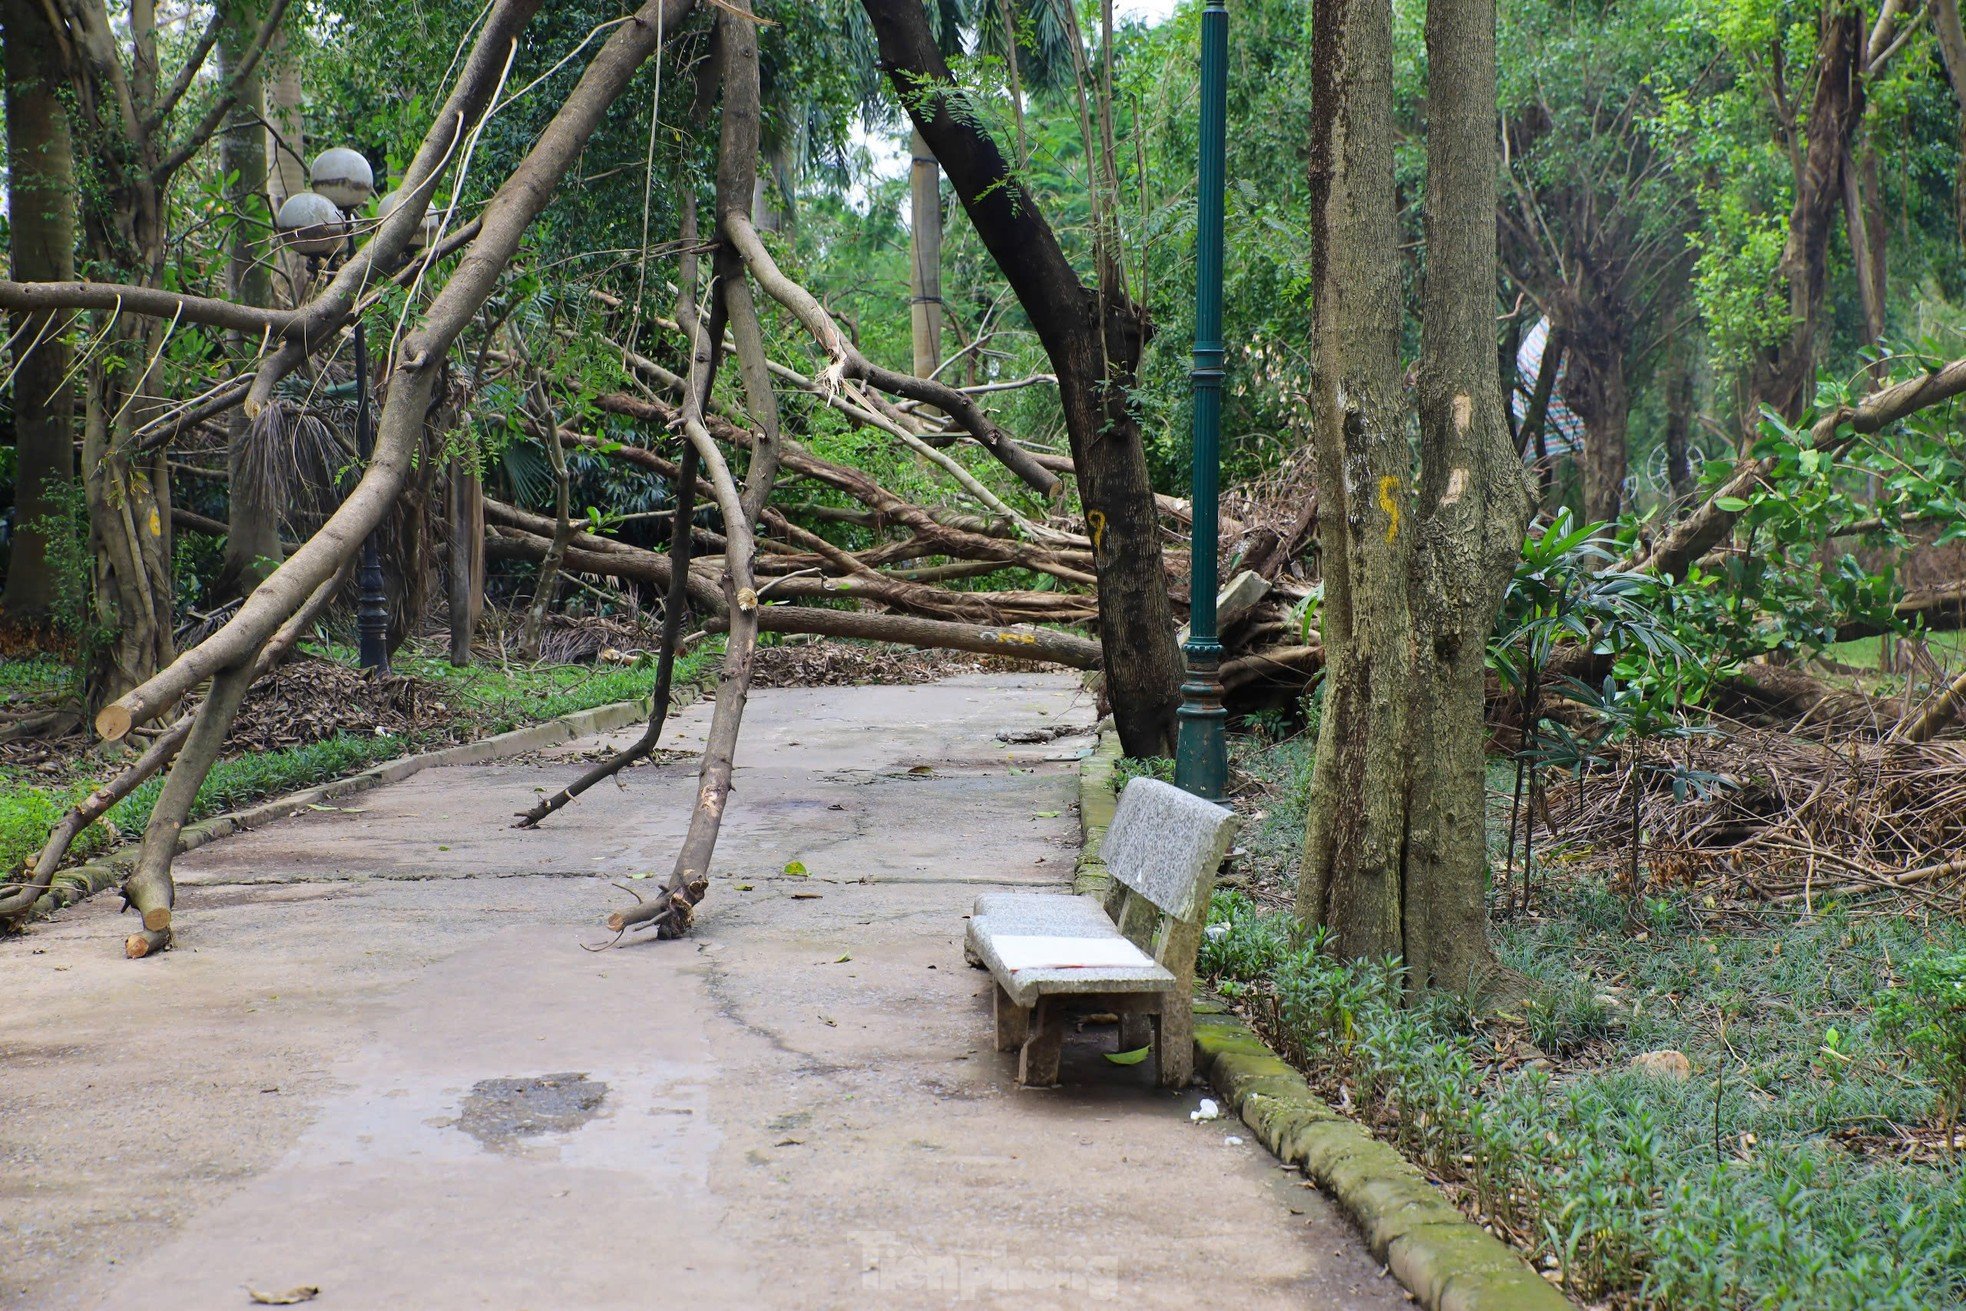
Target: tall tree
[[252, 531], [1414, 575], [924, 255], [41, 211], [1093, 336]]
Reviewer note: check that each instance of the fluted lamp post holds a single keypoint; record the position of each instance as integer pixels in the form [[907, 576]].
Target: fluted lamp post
[[316, 223], [1201, 756]]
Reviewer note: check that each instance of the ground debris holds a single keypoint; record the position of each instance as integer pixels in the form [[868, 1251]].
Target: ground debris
[[1786, 818], [845, 664]]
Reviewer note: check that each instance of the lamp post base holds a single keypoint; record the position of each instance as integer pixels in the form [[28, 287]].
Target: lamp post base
[[372, 610], [1201, 752]]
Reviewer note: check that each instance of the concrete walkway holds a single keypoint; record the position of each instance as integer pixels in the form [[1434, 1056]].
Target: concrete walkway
[[381, 1063]]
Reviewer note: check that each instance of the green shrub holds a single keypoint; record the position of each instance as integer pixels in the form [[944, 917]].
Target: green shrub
[[1927, 1013]]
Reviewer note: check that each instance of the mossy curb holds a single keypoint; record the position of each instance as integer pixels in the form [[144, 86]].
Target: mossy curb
[[1444, 1259], [80, 882]]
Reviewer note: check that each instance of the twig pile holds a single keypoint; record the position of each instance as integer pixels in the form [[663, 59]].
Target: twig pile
[[1792, 820]]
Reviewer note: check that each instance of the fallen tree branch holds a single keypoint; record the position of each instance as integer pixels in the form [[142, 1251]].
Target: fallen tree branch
[[1044, 645], [1696, 534]]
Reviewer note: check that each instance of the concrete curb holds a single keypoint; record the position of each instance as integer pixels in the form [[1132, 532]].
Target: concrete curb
[[1098, 798], [1445, 1260], [81, 882]]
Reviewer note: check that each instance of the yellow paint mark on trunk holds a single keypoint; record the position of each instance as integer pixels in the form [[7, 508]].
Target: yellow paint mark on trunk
[[1387, 486]]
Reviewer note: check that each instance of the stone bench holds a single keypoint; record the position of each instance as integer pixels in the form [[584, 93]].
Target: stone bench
[[1052, 953]]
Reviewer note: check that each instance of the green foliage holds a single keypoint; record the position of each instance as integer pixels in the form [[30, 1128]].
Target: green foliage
[[485, 699], [1616, 1178], [1927, 1013]]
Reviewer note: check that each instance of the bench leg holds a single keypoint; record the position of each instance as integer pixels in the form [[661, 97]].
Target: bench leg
[[1136, 1031], [1174, 1042], [1037, 1061], [1013, 1022]]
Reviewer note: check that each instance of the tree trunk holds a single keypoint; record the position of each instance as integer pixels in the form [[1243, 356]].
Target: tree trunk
[[1679, 425], [1864, 221], [252, 538], [1093, 337], [1596, 389], [1784, 374], [1350, 880], [41, 205], [1952, 50], [467, 557], [1394, 850], [925, 251]]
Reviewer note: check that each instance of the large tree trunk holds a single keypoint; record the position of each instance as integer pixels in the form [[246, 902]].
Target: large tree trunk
[[1474, 503], [1093, 337], [41, 206], [1393, 854], [925, 256], [1350, 880], [252, 537]]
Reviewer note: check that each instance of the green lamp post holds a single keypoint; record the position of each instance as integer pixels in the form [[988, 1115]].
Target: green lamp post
[[1201, 757]]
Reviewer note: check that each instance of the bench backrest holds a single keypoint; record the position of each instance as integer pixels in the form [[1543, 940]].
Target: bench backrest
[[1165, 845]]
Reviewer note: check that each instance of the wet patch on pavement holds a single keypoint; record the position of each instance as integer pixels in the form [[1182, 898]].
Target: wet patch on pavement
[[499, 1112]]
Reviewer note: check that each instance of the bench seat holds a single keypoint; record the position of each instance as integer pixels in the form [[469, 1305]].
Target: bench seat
[[1042, 944]]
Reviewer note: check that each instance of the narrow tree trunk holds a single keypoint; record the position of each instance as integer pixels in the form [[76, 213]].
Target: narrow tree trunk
[[1679, 425], [1864, 221], [41, 207], [1473, 504], [252, 538], [549, 568], [1951, 36], [1596, 389], [1784, 376], [467, 558], [925, 255]]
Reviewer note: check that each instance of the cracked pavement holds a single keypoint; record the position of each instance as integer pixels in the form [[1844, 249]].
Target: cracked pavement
[[802, 1105]]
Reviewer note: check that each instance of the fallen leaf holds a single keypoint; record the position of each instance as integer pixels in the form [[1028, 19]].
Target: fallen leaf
[[807, 896], [921, 769], [1047, 814], [1129, 1058], [744, 887], [790, 1142], [292, 1297], [796, 868], [843, 959]]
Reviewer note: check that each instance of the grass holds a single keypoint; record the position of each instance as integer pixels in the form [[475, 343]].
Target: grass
[[485, 700], [1948, 649], [1772, 1177]]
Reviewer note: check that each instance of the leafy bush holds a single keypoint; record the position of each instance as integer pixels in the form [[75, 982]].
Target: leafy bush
[[1927, 1012]]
